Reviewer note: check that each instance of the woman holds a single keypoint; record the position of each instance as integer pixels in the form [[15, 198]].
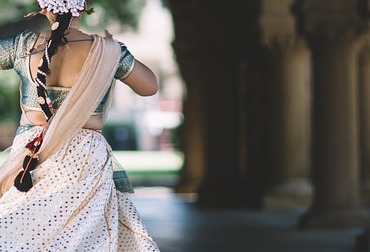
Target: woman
[[57, 191]]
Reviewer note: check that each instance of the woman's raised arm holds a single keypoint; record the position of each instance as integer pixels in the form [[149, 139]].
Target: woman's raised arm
[[141, 80]]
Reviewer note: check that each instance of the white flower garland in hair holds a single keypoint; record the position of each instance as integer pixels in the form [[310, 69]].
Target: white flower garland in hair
[[63, 6]]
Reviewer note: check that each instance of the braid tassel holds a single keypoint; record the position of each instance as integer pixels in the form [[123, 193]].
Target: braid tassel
[[43, 102], [23, 181]]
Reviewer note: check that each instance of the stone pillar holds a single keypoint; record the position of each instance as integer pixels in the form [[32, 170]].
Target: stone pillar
[[217, 42], [364, 101], [192, 136], [290, 96], [192, 131], [332, 28], [363, 240], [207, 46]]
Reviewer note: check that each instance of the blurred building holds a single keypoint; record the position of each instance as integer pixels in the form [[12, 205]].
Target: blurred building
[[277, 103]]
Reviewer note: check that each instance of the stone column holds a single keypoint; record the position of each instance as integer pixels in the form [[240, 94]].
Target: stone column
[[218, 42], [209, 58], [192, 131], [332, 27], [290, 96], [363, 240], [192, 141], [364, 101]]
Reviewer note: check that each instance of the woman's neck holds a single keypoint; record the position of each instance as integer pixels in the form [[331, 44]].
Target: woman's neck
[[74, 25]]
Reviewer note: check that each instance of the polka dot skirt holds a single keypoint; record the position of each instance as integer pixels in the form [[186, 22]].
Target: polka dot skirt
[[73, 205]]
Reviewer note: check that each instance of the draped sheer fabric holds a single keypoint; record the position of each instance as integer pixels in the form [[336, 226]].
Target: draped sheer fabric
[[88, 90]]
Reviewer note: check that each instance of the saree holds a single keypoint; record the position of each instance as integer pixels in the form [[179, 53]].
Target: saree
[[73, 205]]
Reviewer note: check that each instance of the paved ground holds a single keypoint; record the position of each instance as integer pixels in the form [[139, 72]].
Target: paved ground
[[178, 225]]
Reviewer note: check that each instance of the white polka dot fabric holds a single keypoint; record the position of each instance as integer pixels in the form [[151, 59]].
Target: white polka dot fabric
[[73, 205]]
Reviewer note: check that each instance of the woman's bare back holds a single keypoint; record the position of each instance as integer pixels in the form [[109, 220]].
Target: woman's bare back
[[67, 62], [64, 68]]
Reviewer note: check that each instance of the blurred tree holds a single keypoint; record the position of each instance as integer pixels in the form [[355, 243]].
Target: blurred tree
[[122, 13], [9, 97]]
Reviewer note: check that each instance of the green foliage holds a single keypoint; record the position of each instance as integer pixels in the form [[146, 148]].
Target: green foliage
[[9, 97], [13, 10], [125, 13]]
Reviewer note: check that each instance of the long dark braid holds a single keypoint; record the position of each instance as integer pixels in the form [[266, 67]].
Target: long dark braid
[[23, 181], [61, 24]]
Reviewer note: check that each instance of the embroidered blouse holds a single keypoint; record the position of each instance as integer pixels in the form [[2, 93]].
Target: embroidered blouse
[[14, 54]]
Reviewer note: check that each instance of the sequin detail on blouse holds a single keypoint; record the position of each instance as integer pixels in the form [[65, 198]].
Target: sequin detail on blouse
[[126, 63]]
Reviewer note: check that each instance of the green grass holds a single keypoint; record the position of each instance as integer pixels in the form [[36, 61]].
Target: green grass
[[150, 162], [146, 162]]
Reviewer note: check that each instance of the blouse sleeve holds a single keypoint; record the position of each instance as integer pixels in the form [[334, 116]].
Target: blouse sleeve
[[126, 63], [8, 50]]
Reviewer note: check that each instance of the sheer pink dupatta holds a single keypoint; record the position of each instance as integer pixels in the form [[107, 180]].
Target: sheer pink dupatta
[[89, 88]]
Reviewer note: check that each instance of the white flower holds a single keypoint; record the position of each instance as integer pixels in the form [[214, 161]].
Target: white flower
[[63, 6]]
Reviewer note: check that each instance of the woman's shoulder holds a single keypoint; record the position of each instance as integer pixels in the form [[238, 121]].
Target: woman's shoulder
[[28, 33], [25, 35], [18, 42], [106, 36], [15, 47], [24, 39]]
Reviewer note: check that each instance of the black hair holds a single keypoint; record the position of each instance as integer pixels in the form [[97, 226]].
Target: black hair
[[23, 181], [56, 39]]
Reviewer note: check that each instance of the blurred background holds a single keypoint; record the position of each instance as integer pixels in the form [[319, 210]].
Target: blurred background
[[259, 137]]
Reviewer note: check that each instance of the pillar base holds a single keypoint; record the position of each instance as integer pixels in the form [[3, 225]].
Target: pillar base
[[188, 186], [296, 192], [335, 218], [363, 241], [231, 196], [365, 192]]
